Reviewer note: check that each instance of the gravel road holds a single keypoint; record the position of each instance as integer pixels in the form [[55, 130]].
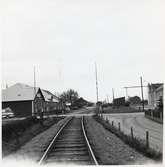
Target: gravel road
[[140, 125]]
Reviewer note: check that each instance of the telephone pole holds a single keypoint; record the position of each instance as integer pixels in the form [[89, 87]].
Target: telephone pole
[[113, 96], [33, 103], [107, 99], [141, 86], [34, 81], [142, 92], [126, 90], [96, 82]]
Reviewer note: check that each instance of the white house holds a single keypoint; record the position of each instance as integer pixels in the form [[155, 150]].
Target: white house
[[155, 93]]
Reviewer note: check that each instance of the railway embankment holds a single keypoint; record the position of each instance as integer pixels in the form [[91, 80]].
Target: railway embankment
[[34, 148], [109, 149]]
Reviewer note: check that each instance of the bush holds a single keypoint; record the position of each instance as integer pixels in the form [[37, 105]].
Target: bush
[[14, 128], [148, 112]]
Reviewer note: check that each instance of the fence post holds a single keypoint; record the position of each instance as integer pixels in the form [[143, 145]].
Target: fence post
[[132, 133], [161, 117], [119, 126], [147, 139]]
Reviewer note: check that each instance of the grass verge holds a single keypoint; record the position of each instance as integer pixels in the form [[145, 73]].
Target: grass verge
[[17, 133]]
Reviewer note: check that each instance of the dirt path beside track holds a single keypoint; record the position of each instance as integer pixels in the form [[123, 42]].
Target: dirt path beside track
[[109, 149]]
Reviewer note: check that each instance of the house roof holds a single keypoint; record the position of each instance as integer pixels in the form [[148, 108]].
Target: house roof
[[18, 92], [49, 96], [160, 88], [23, 92], [155, 87]]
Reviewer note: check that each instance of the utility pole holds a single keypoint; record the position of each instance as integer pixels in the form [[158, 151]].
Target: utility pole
[[107, 99], [141, 86], [126, 89], [113, 96], [34, 82], [34, 90], [96, 82], [142, 93]]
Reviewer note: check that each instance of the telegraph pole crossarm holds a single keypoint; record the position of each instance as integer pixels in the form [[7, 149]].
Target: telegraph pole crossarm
[[141, 86], [133, 87]]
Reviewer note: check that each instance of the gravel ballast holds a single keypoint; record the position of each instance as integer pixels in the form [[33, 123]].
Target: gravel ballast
[[109, 149], [34, 149]]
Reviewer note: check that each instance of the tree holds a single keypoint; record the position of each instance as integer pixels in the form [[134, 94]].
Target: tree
[[69, 96]]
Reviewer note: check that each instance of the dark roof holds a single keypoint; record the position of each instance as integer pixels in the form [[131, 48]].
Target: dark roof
[[156, 85], [49, 96]]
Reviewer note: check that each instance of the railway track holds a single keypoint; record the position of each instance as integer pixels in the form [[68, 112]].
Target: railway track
[[70, 145]]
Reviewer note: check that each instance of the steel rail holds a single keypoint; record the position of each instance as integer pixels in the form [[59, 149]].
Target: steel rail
[[51, 143], [87, 141]]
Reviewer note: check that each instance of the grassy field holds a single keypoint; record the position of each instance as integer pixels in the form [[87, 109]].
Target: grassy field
[[18, 132]]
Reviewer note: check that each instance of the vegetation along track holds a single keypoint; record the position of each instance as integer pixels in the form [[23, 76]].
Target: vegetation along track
[[70, 145]]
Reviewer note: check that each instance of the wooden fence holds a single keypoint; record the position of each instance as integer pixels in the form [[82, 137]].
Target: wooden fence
[[155, 115], [133, 137]]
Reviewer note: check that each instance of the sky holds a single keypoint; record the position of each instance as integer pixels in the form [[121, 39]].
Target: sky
[[64, 38]]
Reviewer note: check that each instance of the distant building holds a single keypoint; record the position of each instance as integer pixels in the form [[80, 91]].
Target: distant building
[[80, 102], [23, 100], [119, 101], [155, 93], [135, 100]]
